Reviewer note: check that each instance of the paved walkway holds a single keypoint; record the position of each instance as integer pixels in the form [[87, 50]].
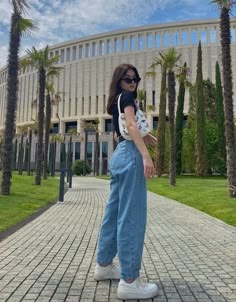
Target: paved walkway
[[189, 254]]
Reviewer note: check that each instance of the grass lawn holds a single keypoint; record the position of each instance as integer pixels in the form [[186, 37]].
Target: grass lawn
[[25, 199], [208, 195]]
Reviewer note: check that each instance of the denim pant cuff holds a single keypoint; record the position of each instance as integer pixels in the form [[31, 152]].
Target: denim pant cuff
[[104, 261], [134, 275]]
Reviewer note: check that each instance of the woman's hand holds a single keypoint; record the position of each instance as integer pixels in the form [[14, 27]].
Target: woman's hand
[[150, 140], [149, 170]]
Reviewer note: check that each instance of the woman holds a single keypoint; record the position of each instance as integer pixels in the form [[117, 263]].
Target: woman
[[123, 227]]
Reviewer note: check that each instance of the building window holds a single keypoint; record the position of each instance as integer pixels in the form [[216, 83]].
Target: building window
[[166, 39], [132, 43], [89, 150], [108, 125], [109, 47], [140, 42], [149, 40], [184, 38], [104, 149], [82, 109], [87, 51], [96, 104], [153, 98], [194, 37], [233, 34], [104, 103], [117, 45], [62, 56], [55, 128], [94, 49], [175, 38], [158, 40], [203, 37], [89, 108], [67, 54], [77, 150], [76, 106], [74, 49], [213, 36], [70, 126], [155, 122], [101, 48], [124, 44], [80, 52]]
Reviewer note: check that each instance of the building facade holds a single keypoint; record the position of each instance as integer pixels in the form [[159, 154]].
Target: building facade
[[88, 64]]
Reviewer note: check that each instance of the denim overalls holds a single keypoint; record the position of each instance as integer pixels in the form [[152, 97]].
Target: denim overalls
[[123, 227]]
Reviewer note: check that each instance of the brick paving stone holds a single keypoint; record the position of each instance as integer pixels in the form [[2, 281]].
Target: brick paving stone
[[190, 255]]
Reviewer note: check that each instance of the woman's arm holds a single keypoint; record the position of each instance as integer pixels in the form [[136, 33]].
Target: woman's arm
[[149, 170], [150, 140]]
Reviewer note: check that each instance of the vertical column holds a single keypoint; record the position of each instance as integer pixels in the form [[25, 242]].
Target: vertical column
[[62, 127], [101, 124]]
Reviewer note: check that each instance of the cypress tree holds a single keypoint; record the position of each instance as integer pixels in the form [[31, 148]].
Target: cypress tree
[[220, 120], [200, 134], [179, 122]]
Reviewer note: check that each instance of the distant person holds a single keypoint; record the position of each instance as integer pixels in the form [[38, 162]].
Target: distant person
[[124, 223]]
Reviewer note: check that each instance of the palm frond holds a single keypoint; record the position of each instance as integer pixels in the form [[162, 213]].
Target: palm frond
[[150, 73], [49, 87], [19, 6], [224, 3], [54, 71], [25, 26], [24, 63]]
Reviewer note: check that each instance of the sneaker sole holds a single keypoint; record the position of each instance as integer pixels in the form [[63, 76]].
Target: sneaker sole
[[129, 296], [103, 278]]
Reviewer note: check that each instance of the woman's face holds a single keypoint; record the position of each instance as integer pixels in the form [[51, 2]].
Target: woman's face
[[129, 81]]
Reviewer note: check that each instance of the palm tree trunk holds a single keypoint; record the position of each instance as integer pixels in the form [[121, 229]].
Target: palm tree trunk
[[96, 161], [46, 137], [42, 80], [160, 150], [29, 157], [228, 101], [12, 89], [20, 159], [85, 151], [179, 128], [171, 107]]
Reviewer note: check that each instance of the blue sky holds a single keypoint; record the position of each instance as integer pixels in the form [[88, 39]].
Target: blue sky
[[62, 20]]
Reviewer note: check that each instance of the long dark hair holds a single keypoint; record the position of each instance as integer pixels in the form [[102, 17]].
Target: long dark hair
[[115, 88]]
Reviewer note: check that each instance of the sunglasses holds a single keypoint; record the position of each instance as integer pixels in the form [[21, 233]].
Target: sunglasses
[[129, 81]]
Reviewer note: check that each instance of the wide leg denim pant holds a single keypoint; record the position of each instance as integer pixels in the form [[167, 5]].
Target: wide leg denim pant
[[124, 223]]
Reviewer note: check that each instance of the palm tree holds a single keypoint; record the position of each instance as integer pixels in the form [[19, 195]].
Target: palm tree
[[160, 147], [40, 59], [225, 8], [50, 89], [172, 58], [19, 26], [141, 97]]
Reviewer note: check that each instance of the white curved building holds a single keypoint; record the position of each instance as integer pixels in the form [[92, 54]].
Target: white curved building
[[88, 66]]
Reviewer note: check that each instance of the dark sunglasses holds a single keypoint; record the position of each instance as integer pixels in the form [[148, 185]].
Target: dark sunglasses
[[129, 81]]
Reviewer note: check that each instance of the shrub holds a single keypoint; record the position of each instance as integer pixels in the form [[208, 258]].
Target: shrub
[[78, 167]]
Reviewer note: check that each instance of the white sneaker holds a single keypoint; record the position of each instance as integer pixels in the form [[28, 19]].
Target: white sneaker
[[136, 290], [107, 272]]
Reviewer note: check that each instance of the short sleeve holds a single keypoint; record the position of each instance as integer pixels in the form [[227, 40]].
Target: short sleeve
[[127, 99]]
